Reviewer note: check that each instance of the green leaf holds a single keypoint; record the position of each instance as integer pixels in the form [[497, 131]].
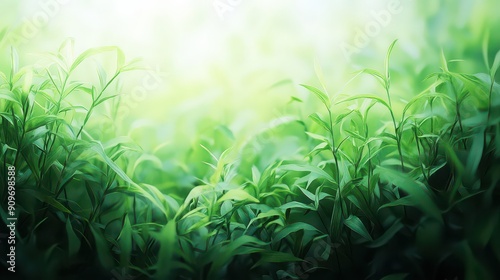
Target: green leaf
[[317, 119], [296, 205], [265, 215], [99, 149], [316, 172], [336, 224], [71, 88], [8, 95], [120, 59], [167, 239], [417, 192], [369, 96], [275, 257], [403, 201], [319, 73], [374, 73], [47, 198], [295, 99], [145, 158], [426, 95], [102, 247], [38, 121], [453, 158], [73, 240], [238, 195], [387, 235], [495, 65], [103, 77], [14, 60], [88, 53], [485, 49], [354, 223], [197, 191], [444, 63], [289, 229], [242, 245], [387, 58], [125, 242], [103, 99], [319, 94], [474, 158]]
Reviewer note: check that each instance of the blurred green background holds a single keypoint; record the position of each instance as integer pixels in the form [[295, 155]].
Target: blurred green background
[[219, 60]]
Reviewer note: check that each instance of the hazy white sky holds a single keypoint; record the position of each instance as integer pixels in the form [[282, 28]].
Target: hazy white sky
[[202, 31], [237, 49]]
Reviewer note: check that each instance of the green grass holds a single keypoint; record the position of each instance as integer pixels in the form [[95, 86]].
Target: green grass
[[363, 188]]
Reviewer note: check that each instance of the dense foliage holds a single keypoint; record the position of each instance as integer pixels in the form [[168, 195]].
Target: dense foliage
[[362, 189]]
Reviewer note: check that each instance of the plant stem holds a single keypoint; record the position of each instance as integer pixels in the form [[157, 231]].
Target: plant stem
[[397, 132]]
